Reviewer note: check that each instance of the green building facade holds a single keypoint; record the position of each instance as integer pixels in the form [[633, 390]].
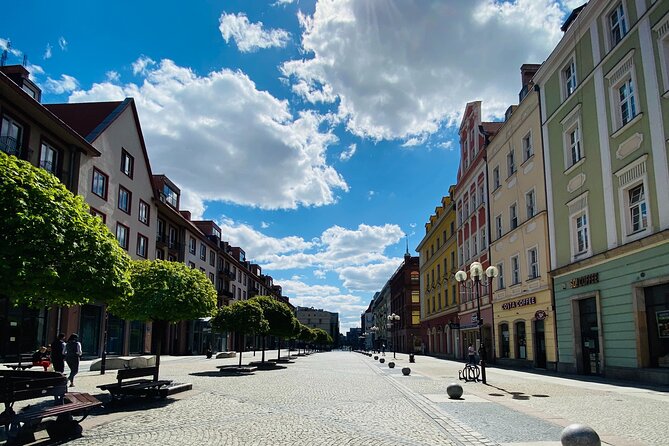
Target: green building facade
[[604, 112]]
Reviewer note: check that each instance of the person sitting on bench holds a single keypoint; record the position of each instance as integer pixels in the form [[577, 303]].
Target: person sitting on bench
[[41, 358]]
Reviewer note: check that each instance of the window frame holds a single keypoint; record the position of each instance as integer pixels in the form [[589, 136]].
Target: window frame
[[44, 147], [144, 205], [533, 271], [630, 177], [121, 189], [125, 155], [527, 146], [500, 276], [662, 31], [17, 149], [513, 216], [511, 167], [617, 8], [106, 183], [499, 226], [531, 197], [572, 124], [127, 235], [141, 237], [96, 213], [192, 245], [203, 252], [569, 77], [515, 270]]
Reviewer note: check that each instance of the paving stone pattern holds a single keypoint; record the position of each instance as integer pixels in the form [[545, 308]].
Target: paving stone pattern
[[344, 398]]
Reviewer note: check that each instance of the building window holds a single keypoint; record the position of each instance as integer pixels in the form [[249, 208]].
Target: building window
[[211, 278], [171, 196], [171, 258], [124, 199], [142, 246], [144, 212], [626, 103], [580, 226], [127, 163], [498, 226], [662, 30], [203, 252], [122, 235], [11, 135], [48, 158], [617, 25], [191, 265], [99, 214], [192, 245], [574, 138], [484, 240], [530, 204], [511, 163], [528, 149], [160, 233], [475, 245], [474, 204], [212, 258], [482, 194], [100, 182], [569, 78], [160, 255], [504, 348], [638, 212], [172, 242], [500, 277], [513, 216], [515, 270], [533, 263]]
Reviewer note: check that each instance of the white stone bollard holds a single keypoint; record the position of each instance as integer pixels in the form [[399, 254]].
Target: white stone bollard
[[579, 435]]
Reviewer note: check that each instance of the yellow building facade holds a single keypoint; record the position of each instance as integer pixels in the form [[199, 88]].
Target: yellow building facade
[[523, 313], [438, 296]]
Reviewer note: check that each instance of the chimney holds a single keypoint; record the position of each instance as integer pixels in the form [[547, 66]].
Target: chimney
[[185, 214], [527, 72]]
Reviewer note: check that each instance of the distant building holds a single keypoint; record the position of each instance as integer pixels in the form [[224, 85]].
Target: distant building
[[325, 320]]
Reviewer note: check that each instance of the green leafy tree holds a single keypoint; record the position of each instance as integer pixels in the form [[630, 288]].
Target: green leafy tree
[[322, 338], [242, 317], [307, 335], [280, 318], [165, 292], [53, 252]]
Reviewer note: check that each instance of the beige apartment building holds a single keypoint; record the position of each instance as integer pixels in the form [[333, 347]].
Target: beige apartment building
[[524, 319]]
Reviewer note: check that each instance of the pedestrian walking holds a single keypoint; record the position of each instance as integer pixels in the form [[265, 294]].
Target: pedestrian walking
[[471, 351], [58, 353], [72, 356]]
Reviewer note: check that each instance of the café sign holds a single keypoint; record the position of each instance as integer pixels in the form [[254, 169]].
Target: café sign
[[519, 303], [584, 280]]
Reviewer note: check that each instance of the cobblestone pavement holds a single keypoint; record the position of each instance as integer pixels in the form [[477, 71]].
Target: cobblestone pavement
[[344, 398]]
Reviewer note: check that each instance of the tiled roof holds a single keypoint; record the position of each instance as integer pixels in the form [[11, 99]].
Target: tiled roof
[[84, 117]]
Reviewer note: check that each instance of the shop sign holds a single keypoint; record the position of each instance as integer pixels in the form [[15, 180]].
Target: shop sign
[[519, 303], [540, 315], [453, 325], [662, 323], [584, 280]]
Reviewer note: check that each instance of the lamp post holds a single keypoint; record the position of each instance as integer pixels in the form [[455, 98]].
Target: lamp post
[[373, 329], [391, 320], [475, 273]]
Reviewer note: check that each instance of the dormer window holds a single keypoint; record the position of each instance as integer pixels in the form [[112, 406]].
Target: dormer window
[[171, 196]]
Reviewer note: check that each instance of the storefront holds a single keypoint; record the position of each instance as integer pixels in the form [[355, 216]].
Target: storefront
[[524, 329], [613, 316], [469, 332]]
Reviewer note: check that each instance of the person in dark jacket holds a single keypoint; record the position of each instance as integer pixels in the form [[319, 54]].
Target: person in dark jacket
[[72, 356], [58, 353]]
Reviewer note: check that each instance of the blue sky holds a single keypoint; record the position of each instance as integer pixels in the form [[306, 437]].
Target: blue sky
[[320, 135]]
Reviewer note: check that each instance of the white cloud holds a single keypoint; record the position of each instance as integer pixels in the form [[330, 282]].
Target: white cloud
[[264, 225], [62, 43], [250, 36], [448, 145], [65, 84], [325, 297], [282, 2], [400, 69], [5, 44], [348, 153], [370, 195], [141, 64], [47, 52], [224, 119], [112, 76], [370, 277], [319, 274]]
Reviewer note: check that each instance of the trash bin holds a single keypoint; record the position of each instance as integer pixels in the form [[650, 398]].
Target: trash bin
[[411, 358]]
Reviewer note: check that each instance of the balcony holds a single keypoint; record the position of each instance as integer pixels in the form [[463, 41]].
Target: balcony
[[228, 273], [10, 146]]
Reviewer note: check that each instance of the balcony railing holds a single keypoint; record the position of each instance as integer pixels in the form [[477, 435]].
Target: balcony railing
[[10, 146]]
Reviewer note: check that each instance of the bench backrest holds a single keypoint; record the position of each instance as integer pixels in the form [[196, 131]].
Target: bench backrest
[[19, 385], [136, 373]]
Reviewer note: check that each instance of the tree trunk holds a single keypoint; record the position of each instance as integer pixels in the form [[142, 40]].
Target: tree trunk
[[278, 355], [160, 325], [263, 348], [239, 348]]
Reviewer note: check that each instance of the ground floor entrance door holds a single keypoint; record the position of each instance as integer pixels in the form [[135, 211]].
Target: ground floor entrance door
[[589, 336], [539, 344]]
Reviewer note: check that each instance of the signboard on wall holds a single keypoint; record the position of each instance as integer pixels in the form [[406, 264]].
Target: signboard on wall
[[662, 323]]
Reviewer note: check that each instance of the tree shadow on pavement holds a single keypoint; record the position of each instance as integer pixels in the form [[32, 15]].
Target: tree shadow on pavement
[[219, 374], [515, 395]]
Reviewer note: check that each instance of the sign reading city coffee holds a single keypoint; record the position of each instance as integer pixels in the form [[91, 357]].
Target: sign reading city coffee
[[519, 303], [584, 280]]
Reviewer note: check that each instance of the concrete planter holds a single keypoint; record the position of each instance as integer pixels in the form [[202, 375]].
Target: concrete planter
[[406, 371], [391, 365]]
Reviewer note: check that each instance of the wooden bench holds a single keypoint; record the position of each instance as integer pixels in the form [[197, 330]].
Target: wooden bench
[[21, 385], [125, 385], [25, 362]]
